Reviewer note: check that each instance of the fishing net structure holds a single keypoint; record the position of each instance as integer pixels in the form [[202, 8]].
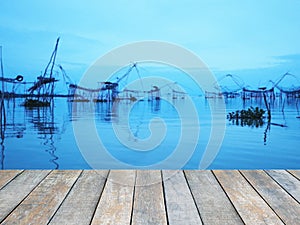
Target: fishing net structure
[[107, 91], [249, 93], [118, 90], [288, 84], [229, 86], [41, 93]]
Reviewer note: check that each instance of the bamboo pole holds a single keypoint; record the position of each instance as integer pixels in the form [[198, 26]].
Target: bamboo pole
[[2, 108], [267, 106]]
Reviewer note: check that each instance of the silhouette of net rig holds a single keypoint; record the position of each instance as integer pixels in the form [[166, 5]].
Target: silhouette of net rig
[[109, 91], [232, 86], [39, 93]]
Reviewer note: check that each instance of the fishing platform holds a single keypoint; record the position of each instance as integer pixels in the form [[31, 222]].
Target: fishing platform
[[150, 197]]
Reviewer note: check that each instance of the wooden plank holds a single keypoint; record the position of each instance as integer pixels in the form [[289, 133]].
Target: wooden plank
[[295, 173], [15, 191], [79, 206], [115, 205], [287, 181], [212, 202], [181, 208], [7, 175], [149, 206], [287, 208], [44, 200], [250, 206]]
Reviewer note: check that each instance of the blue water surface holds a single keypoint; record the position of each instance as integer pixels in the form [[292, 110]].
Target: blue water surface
[[43, 138]]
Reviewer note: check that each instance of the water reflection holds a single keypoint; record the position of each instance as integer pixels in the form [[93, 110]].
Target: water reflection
[[137, 112], [2, 153], [247, 122], [51, 149], [43, 119], [111, 111], [266, 132], [20, 121], [155, 105], [2, 130], [43, 137], [284, 111], [107, 110]]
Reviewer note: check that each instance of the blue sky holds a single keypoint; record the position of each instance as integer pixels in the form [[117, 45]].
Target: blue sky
[[248, 38]]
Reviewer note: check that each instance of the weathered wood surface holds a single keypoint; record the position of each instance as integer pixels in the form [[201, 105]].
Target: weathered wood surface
[[79, 206], [210, 198], [295, 173], [14, 192], [43, 201], [278, 199], [149, 197], [181, 207], [149, 205], [287, 181], [7, 175], [249, 204], [116, 200]]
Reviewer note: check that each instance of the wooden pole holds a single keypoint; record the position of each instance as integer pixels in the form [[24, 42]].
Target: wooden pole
[[267, 106], [2, 108]]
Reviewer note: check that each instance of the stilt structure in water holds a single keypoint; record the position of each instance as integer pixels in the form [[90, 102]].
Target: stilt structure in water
[[259, 93], [42, 92], [288, 85], [2, 112], [228, 86], [4, 94], [2, 108], [107, 91], [262, 93]]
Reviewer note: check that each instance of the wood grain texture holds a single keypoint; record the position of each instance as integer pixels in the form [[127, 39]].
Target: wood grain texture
[[149, 206], [14, 192], [115, 205], [279, 200], [287, 182], [44, 200], [7, 175], [142, 197], [214, 206], [79, 206], [181, 208], [251, 207], [295, 173]]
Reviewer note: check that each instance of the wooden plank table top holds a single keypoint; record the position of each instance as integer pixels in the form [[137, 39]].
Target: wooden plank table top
[[149, 197]]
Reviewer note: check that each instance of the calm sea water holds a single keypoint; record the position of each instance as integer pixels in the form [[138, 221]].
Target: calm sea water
[[44, 138]]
